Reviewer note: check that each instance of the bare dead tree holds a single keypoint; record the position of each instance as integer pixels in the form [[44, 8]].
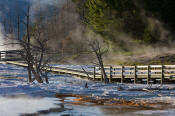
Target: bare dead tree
[[40, 57], [28, 49], [97, 50], [34, 46]]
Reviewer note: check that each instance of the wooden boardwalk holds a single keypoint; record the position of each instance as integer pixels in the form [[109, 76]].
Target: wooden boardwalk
[[124, 74]]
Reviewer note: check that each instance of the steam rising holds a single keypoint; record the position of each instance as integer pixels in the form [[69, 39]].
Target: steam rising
[[67, 26], [36, 7]]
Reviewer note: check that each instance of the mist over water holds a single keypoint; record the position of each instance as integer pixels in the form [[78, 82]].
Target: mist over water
[[10, 9]]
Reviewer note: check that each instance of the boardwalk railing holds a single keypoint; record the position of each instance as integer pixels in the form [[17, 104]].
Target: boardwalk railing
[[10, 55], [135, 74]]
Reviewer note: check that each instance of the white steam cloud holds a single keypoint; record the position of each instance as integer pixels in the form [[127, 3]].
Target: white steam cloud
[[36, 6]]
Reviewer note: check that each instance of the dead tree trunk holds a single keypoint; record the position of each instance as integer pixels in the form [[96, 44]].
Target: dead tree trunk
[[33, 51], [27, 49], [28, 45], [96, 48], [36, 75]]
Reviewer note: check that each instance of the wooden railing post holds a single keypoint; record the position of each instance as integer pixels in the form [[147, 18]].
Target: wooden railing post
[[122, 78], [94, 73], [148, 76], [135, 75], [162, 74], [110, 73], [102, 78]]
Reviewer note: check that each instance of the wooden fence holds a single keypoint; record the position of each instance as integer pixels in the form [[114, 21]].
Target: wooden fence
[[123, 74], [135, 73]]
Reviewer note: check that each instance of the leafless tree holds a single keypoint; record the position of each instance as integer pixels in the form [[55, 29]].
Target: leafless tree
[[34, 45], [96, 48]]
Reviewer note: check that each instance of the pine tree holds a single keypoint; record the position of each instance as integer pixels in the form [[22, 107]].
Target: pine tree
[[96, 15]]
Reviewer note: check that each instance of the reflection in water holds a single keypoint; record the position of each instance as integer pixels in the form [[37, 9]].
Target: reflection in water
[[13, 106], [49, 111], [122, 110]]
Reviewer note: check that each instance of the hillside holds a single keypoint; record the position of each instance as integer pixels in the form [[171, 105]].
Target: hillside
[[141, 20], [131, 28]]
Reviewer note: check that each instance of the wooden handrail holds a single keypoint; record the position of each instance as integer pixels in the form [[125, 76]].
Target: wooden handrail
[[124, 73]]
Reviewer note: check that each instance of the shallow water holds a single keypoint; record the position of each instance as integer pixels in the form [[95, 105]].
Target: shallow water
[[35, 106], [21, 98]]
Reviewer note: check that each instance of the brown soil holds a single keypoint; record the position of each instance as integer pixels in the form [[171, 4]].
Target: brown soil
[[90, 100]]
